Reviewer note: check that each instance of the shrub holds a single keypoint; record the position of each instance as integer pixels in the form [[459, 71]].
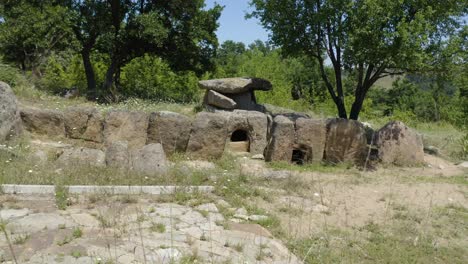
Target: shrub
[[151, 78], [10, 75]]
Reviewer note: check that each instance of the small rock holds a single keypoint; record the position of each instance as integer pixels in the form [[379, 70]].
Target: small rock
[[258, 157], [210, 207], [431, 150], [258, 218], [241, 211], [463, 164], [241, 216], [441, 167], [320, 208]]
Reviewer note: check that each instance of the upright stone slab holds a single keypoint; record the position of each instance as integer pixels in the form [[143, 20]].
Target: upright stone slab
[[208, 135], [117, 155], [126, 126], [170, 129], [10, 120], [255, 124], [346, 142], [399, 145], [312, 133], [150, 160], [84, 123], [43, 121], [216, 99], [282, 140]]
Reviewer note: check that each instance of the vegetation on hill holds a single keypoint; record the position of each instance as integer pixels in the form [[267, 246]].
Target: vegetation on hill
[[123, 51]]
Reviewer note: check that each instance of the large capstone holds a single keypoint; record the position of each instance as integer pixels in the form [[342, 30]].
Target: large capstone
[[43, 121], [208, 135], [10, 120], [170, 129], [126, 126], [346, 142], [84, 123], [282, 140], [399, 145], [236, 85]]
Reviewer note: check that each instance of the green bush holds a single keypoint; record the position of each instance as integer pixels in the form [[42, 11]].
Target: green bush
[[151, 78], [10, 75]]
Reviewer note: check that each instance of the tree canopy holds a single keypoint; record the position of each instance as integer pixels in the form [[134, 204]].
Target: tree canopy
[[366, 39]]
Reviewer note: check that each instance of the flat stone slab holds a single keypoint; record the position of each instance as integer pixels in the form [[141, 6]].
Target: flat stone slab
[[82, 189], [236, 85]]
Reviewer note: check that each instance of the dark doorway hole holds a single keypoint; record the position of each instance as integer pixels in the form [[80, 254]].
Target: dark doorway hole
[[239, 135], [298, 157]]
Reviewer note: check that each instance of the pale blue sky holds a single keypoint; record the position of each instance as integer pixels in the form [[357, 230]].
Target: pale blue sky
[[234, 26]]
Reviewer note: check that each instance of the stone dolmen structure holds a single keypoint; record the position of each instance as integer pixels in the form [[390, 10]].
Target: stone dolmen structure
[[234, 123]]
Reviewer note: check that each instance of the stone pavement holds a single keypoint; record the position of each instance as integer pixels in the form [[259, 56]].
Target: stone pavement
[[140, 231]]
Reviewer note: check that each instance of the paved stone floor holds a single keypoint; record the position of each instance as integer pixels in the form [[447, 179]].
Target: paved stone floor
[[142, 231]]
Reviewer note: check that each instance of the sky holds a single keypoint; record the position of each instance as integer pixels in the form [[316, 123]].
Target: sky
[[234, 26]]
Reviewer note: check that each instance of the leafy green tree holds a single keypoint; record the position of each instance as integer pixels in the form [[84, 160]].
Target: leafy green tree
[[31, 30], [365, 40]]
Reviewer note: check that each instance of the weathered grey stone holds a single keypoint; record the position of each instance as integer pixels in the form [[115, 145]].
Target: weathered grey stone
[[236, 85], [219, 100], [246, 101], [399, 145], [170, 129], [463, 164], [36, 222], [346, 141], [150, 160], [84, 123], [126, 126], [258, 217], [282, 141], [39, 156], [82, 156], [10, 120], [209, 207], [43, 121], [255, 124], [208, 135], [10, 214], [311, 134], [117, 155]]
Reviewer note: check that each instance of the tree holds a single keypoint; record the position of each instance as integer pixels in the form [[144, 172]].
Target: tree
[[182, 32], [365, 39], [31, 30]]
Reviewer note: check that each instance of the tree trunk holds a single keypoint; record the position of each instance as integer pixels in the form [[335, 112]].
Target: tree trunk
[[341, 109], [356, 109], [110, 76], [90, 76]]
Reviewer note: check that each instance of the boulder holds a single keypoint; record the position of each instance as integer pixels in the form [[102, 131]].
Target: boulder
[[10, 120], [150, 160], [282, 140], [170, 129], [117, 155], [399, 145], [346, 142], [82, 156], [126, 126], [218, 100], [236, 85], [43, 121], [255, 124], [311, 133], [84, 123], [208, 135]]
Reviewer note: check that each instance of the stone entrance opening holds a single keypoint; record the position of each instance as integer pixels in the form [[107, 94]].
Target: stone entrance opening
[[301, 154], [239, 141], [298, 157]]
